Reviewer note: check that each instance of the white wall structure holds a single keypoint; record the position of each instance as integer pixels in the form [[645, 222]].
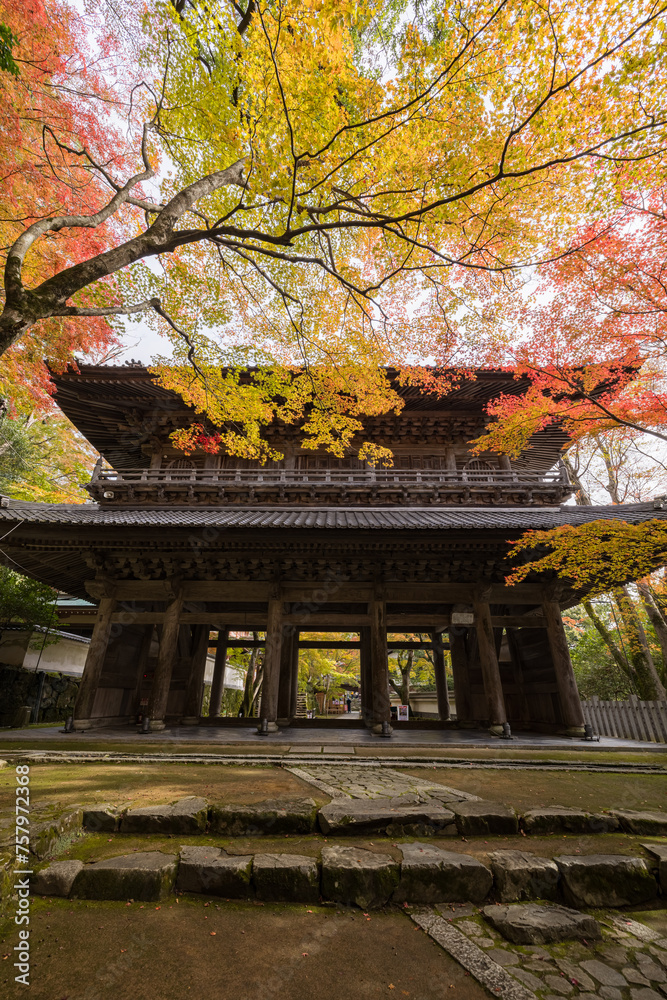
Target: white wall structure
[[28, 649], [65, 653]]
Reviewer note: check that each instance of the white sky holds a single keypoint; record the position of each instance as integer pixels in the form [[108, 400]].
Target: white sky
[[142, 343]]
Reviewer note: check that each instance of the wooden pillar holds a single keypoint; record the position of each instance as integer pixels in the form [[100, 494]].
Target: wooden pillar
[[157, 701], [285, 681], [381, 709], [142, 663], [272, 657], [440, 677], [458, 652], [92, 670], [195, 689], [365, 674], [493, 690], [573, 716], [218, 682], [294, 689]]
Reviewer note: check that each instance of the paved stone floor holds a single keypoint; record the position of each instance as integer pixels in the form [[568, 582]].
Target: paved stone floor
[[342, 735], [375, 783], [628, 963]]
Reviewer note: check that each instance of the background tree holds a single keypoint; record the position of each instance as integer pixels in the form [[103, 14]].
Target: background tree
[[44, 459], [599, 556], [325, 671], [409, 668], [25, 602], [252, 687]]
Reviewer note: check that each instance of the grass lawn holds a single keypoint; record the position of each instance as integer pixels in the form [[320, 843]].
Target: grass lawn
[[145, 784], [94, 847], [580, 789]]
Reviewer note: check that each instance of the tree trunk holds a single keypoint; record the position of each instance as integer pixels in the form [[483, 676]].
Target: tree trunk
[[249, 689], [657, 620], [649, 685], [620, 660]]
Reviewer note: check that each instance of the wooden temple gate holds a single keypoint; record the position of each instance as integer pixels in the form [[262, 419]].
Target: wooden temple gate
[[172, 547], [533, 686]]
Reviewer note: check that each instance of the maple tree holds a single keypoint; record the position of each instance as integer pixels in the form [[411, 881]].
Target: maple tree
[[593, 348], [61, 92], [594, 333], [332, 169]]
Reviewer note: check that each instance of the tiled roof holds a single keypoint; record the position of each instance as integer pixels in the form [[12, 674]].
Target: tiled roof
[[378, 518]]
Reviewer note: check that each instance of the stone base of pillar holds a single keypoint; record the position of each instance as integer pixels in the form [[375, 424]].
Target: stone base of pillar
[[377, 728], [283, 723], [80, 725], [190, 720], [575, 732], [271, 727], [156, 725], [496, 730]]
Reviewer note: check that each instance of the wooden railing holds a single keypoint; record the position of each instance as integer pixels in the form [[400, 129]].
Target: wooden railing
[[632, 720], [335, 477]]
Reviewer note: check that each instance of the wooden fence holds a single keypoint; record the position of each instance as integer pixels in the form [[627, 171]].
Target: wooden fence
[[633, 719]]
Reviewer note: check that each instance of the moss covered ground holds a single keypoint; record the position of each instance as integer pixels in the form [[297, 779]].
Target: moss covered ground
[[106, 951]]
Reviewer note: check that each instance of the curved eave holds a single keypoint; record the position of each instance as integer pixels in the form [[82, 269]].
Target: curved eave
[[51, 542]]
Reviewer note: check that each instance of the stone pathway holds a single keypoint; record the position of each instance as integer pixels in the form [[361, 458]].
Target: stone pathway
[[348, 781], [628, 963]]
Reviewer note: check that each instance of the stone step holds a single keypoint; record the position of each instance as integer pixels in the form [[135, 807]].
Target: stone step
[[425, 873], [147, 876], [387, 817], [606, 880], [401, 815], [534, 924]]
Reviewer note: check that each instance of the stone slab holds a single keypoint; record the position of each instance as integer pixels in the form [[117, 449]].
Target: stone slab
[[487, 972], [188, 815], [531, 923], [651, 969], [213, 872], [639, 930], [432, 875], [643, 823], [606, 880], [147, 876], [272, 816], [56, 880], [385, 816], [44, 836], [658, 853], [101, 818], [286, 878], [603, 973], [520, 875], [561, 819], [352, 875], [480, 819]]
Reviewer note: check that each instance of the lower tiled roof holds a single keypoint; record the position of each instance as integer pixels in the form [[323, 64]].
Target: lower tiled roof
[[387, 518]]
